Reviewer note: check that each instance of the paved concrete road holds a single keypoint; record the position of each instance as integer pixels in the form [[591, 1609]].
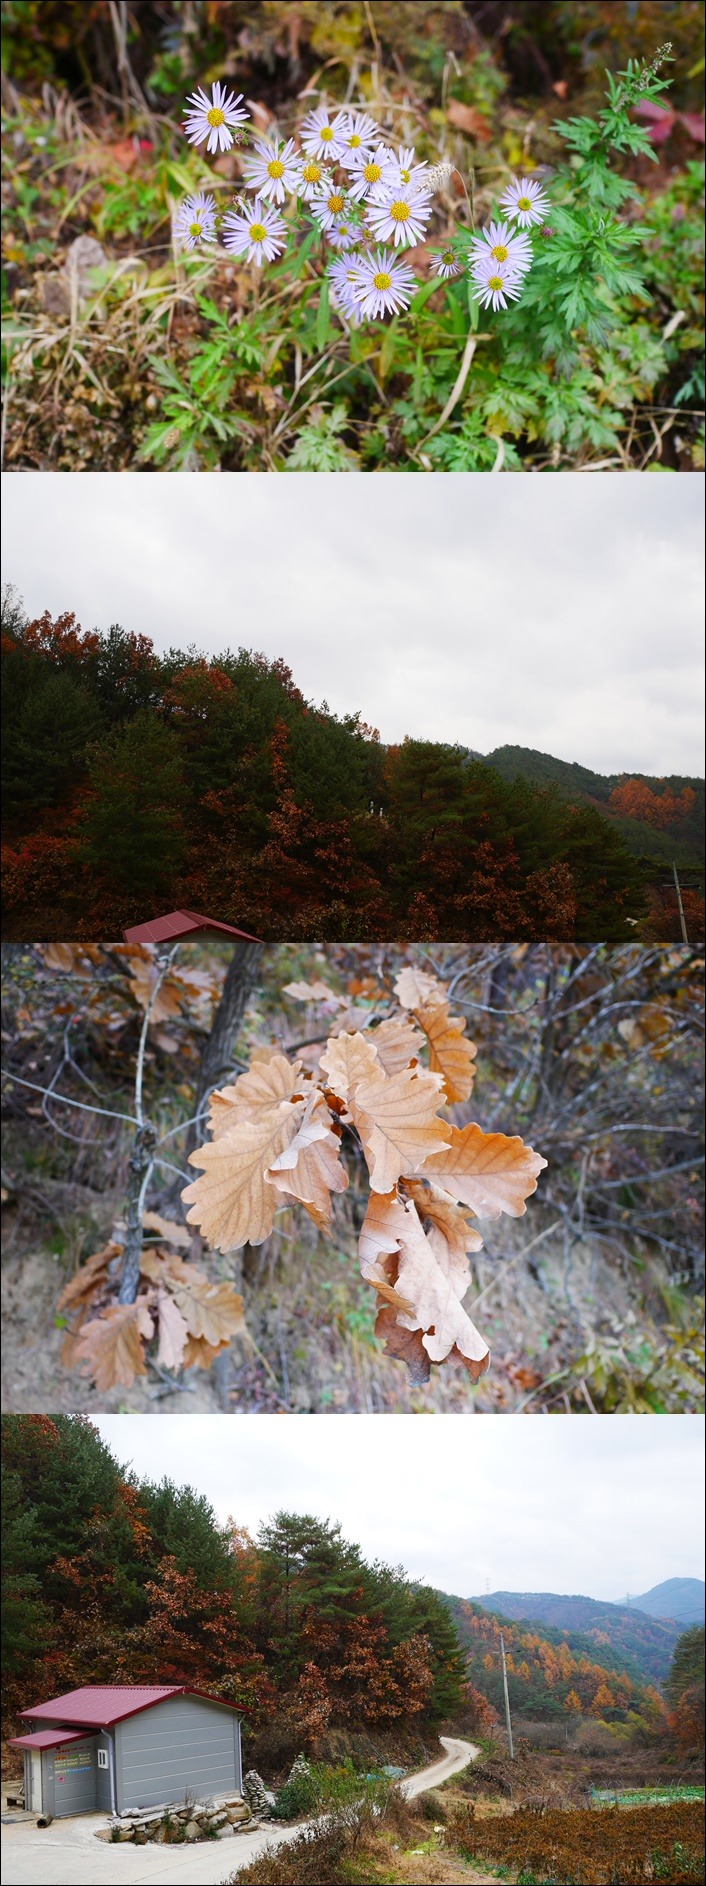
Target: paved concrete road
[[458, 1755], [67, 1853]]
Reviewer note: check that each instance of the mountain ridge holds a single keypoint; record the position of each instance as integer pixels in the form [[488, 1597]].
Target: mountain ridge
[[684, 1596]]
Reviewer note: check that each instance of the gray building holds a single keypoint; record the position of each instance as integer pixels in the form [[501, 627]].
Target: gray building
[[123, 1746]]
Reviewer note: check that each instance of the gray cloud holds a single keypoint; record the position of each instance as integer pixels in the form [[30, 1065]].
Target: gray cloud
[[600, 1507], [561, 612]]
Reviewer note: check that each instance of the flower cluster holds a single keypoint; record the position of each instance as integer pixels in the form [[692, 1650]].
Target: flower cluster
[[369, 201]]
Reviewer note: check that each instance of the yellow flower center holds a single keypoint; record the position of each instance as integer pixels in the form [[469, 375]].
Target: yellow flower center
[[326, 134], [335, 204], [524, 202], [195, 229], [311, 173], [399, 211], [406, 176], [499, 253], [448, 258], [354, 142], [275, 169], [215, 117], [495, 282], [382, 281], [372, 173], [258, 232]]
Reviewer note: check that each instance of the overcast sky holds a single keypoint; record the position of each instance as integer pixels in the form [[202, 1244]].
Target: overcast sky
[[600, 1507], [558, 612]]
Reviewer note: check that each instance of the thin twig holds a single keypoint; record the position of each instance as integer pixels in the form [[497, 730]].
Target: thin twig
[[83, 1105]]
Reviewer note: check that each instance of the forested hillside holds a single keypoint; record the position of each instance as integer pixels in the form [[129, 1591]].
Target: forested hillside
[[110, 1579], [641, 1644], [661, 819], [552, 1673], [134, 781]]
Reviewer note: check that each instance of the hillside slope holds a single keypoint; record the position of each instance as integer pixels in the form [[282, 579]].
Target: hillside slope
[[549, 1662], [659, 818]]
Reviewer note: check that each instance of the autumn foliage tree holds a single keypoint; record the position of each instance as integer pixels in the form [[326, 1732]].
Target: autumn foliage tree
[[295, 1625], [270, 811]]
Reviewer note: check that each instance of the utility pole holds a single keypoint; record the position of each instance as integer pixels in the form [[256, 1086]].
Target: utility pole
[[507, 1700], [682, 918]]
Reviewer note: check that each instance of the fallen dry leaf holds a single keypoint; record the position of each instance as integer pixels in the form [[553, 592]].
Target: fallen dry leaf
[[166, 1228], [466, 118], [143, 982], [110, 1347], [212, 1312], [88, 1280], [67, 957], [173, 1333], [314, 992]]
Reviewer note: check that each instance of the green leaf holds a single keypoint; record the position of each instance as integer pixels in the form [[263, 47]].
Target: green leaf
[[423, 294], [473, 305]]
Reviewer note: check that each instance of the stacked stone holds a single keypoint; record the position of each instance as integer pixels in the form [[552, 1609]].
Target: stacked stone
[[300, 1770], [258, 1797], [198, 1820]]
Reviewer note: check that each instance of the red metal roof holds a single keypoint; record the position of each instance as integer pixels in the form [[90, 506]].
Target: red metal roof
[[99, 1708], [48, 1738], [182, 923]]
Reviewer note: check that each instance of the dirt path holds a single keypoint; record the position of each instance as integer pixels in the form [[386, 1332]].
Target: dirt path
[[67, 1853]]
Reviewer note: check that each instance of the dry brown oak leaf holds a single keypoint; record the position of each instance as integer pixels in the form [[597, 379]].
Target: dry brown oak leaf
[[415, 989], [314, 992], [110, 1348], [431, 1282], [173, 1333], [210, 1312], [490, 1172], [396, 1043], [397, 1119], [270, 1079], [348, 1061], [234, 1203], [449, 1054], [310, 1168]]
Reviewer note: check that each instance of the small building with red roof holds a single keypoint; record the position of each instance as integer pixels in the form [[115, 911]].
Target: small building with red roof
[[127, 1746], [179, 926]]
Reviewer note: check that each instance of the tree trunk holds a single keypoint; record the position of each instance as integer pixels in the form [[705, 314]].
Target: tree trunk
[[140, 1163], [219, 1051]]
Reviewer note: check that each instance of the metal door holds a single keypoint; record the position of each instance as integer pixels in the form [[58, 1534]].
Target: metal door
[[35, 1780]]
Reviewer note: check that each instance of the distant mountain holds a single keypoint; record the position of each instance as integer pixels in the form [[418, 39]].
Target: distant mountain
[[623, 1635], [660, 819], [679, 1598]]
